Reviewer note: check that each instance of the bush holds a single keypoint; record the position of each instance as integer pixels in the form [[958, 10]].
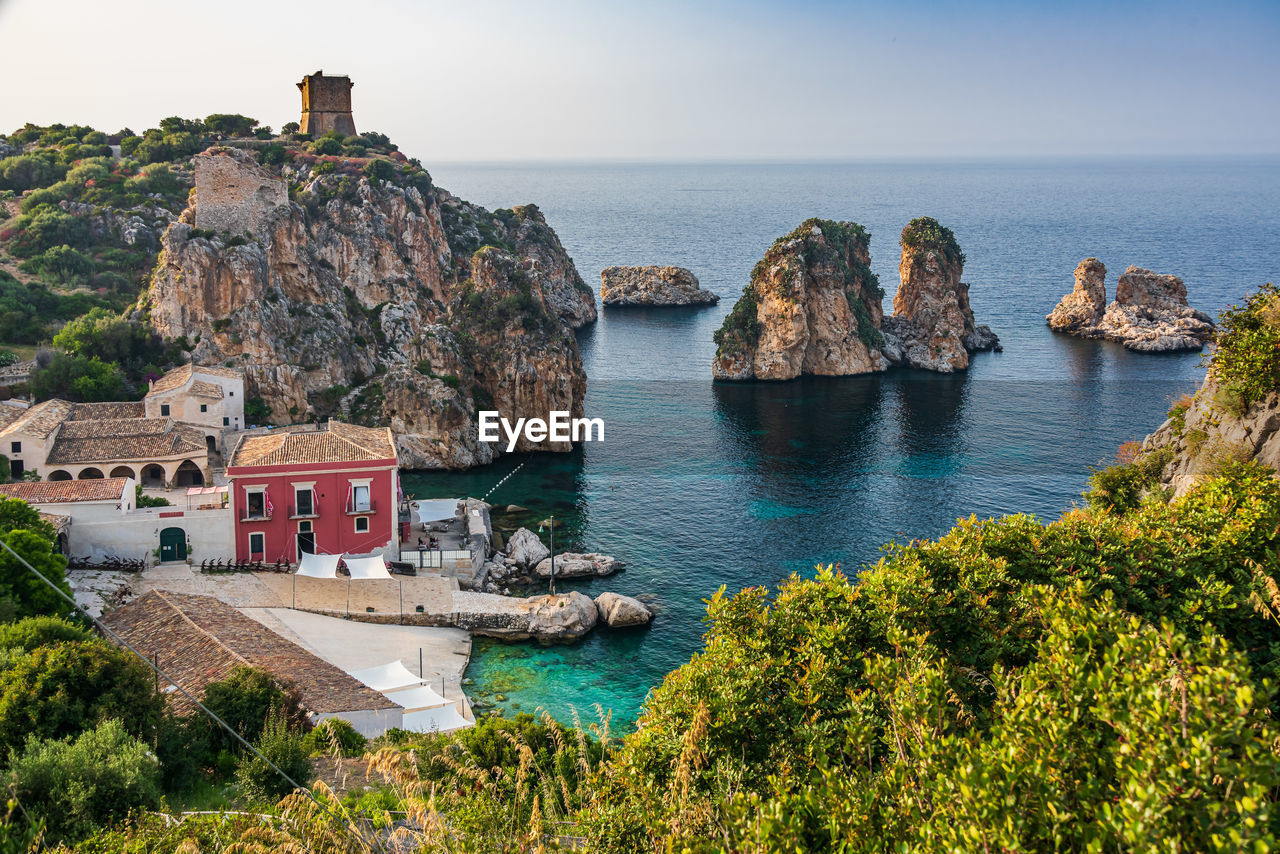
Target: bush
[[1121, 487], [141, 499], [79, 378], [32, 632], [334, 737], [245, 700], [924, 234], [24, 594], [283, 745], [256, 410], [76, 785], [1246, 358], [326, 145]]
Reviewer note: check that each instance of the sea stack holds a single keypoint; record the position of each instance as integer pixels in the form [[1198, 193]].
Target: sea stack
[[1149, 315], [652, 285], [812, 307], [932, 325]]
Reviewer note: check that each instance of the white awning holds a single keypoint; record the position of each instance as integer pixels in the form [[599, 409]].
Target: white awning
[[437, 510], [367, 567], [420, 697], [386, 677], [443, 719], [319, 566], [205, 490]]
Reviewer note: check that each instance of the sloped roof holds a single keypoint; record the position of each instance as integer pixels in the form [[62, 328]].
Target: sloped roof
[[10, 414], [199, 639], [200, 388], [42, 419], [111, 439], [123, 409], [336, 443], [178, 377], [66, 491]]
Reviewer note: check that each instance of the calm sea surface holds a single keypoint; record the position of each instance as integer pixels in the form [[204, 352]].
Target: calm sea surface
[[699, 486]]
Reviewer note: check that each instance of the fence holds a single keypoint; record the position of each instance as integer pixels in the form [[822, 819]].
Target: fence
[[437, 558]]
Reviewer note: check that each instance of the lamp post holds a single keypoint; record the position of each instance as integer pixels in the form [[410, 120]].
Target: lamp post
[[550, 522]]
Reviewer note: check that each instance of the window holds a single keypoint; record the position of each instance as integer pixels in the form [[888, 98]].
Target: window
[[255, 504], [231, 394], [257, 544], [164, 409], [304, 501], [360, 499], [362, 524], [225, 421], [204, 407], [15, 447]]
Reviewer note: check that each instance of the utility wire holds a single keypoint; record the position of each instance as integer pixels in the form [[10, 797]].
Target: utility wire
[[201, 706]]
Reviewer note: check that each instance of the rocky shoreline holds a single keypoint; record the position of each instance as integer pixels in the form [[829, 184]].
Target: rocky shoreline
[[652, 285]]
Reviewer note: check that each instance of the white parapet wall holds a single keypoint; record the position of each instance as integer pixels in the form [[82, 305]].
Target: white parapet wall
[[210, 534], [369, 723]]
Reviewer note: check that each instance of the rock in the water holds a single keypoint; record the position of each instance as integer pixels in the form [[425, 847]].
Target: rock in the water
[[812, 307], [560, 617], [618, 611], [579, 565], [652, 285], [1149, 315], [525, 550], [932, 325], [564, 616]]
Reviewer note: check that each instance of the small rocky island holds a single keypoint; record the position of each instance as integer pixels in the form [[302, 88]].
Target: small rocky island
[[652, 285], [1149, 315], [813, 306]]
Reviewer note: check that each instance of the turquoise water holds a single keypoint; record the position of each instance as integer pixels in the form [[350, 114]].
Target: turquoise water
[[699, 485]]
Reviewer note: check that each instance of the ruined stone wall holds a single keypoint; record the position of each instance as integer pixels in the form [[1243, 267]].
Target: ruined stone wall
[[234, 194]]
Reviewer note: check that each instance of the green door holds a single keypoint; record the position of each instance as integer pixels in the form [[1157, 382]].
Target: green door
[[173, 544]]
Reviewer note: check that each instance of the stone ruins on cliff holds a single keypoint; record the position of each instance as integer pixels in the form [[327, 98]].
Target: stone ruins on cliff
[[1149, 315], [813, 306], [371, 295], [652, 285], [326, 105]]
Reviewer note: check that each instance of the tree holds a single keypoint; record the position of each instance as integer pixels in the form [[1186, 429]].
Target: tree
[[27, 594], [61, 690], [111, 338], [290, 127], [257, 780], [77, 784], [16, 515], [230, 124], [34, 632], [245, 700], [78, 378]]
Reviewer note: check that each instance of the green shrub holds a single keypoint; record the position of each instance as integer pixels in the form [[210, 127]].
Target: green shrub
[[925, 234], [141, 499], [1121, 487], [258, 781], [79, 378], [76, 785], [326, 145], [245, 700], [1246, 357], [32, 632], [334, 737], [256, 410]]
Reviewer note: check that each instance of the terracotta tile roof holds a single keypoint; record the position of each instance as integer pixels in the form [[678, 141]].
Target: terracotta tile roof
[[110, 439], [42, 419], [124, 409], [178, 376], [60, 523], [10, 414], [199, 639], [337, 443], [200, 388], [66, 491]]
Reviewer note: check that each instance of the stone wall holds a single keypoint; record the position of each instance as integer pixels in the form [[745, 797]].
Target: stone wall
[[234, 194], [326, 105]]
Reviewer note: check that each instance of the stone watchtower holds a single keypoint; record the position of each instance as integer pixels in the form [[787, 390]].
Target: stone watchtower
[[326, 105]]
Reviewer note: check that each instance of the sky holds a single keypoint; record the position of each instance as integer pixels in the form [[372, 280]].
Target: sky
[[492, 80]]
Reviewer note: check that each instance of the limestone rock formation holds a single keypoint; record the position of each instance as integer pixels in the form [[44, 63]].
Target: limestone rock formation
[[579, 565], [932, 325], [525, 550], [652, 285], [377, 301], [1149, 315], [559, 617], [618, 611], [812, 307]]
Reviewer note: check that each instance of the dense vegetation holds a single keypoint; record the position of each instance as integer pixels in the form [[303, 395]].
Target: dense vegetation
[[926, 234]]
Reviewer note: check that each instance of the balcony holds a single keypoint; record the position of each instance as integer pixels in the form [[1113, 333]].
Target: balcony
[[312, 512], [362, 508], [255, 516]]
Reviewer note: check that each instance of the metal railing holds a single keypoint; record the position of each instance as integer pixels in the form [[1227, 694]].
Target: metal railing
[[436, 558], [360, 508], [260, 516], [313, 512]]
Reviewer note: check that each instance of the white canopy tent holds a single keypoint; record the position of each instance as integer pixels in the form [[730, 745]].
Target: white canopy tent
[[420, 697], [437, 510], [442, 719], [319, 566], [392, 676], [367, 567]]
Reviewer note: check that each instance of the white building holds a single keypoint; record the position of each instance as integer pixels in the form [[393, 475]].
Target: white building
[[203, 396]]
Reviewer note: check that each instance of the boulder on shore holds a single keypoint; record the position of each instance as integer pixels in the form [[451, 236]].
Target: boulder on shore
[[652, 285], [579, 565], [559, 617], [618, 611], [1150, 313], [525, 550]]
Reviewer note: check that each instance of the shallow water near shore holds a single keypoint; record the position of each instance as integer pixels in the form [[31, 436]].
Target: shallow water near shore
[[700, 485]]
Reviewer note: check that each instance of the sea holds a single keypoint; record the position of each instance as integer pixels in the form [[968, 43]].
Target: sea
[[701, 486]]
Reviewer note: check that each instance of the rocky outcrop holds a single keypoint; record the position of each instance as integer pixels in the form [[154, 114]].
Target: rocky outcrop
[[525, 550], [379, 302], [813, 306], [559, 617], [652, 285], [618, 611], [1149, 315], [932, 325], [579, 565]]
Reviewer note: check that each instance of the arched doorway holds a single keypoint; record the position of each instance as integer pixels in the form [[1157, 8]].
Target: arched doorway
[[173, 544], [188, 474], [153, 476], [90, 473], [59, 474], [122, 471]]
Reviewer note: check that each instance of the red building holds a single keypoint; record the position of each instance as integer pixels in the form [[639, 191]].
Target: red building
[[327, 490]]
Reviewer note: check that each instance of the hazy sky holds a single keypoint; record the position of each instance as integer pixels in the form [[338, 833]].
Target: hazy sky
[[494, 80]]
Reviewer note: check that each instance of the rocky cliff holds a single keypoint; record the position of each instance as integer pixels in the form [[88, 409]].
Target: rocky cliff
[[1149, 315], [813, 306], [385, 299], [652, 285]]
